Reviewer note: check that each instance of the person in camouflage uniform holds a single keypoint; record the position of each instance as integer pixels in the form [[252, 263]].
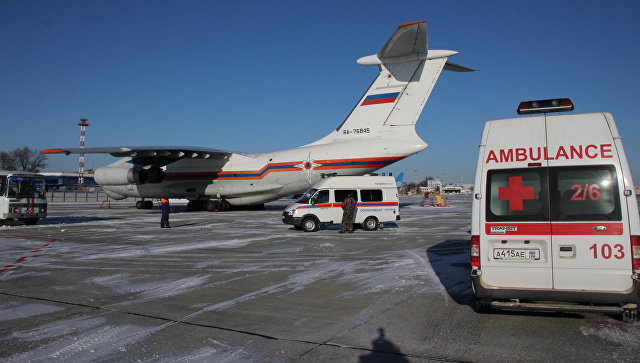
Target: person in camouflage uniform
[[349, 208]]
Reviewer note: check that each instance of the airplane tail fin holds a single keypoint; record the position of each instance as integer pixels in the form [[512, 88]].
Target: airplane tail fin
[[399, 179], [408, 73]]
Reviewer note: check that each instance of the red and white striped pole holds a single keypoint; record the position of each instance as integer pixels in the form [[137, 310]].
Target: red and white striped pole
[[83, 125]]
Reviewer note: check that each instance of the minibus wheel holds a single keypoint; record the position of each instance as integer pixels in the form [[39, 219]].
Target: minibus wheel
[[310, 224], [370, 224], [30, 221]]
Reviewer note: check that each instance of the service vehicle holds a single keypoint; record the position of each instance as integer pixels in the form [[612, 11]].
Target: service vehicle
[[22, 197], [555, 222], [376, 197]]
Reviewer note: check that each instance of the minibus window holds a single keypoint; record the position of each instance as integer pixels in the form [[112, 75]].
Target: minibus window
[[584, 193], [341, 194], [517, 195], [321, 197], [304, 199], [371, 195]]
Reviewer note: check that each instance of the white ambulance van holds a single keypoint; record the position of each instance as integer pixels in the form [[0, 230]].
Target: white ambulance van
[[376, 196], [555, 222]]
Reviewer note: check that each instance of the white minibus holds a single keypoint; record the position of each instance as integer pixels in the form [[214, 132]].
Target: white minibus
[[376, 196]]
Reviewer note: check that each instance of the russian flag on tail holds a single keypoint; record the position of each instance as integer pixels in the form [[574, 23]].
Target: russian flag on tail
[[380, 98]]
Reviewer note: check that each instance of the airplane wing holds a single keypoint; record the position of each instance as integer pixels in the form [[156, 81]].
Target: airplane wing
[[149, 155]]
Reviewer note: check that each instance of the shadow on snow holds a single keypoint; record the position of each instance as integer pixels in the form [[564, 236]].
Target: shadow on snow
[[383, 350], [450, 261]]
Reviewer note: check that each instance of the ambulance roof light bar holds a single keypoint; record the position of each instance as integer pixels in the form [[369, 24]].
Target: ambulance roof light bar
[[545, 106]]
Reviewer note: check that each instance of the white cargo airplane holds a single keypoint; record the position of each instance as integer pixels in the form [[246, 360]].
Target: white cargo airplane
[[378, 132]]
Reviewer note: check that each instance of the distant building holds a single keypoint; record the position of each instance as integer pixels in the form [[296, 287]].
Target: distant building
[[433, 186], [67, 181]]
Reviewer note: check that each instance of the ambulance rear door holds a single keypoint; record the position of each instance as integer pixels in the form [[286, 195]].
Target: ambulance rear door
[[590, 242], [515, 241]]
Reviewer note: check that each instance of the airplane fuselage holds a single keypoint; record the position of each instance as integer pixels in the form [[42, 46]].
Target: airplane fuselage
[[246, 179]]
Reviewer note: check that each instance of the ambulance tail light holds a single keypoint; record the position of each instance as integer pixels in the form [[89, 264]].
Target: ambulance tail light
[[475, 251], [545, 106], [635, 247]]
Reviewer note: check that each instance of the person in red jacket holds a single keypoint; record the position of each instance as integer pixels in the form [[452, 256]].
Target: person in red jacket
[[164, 207]]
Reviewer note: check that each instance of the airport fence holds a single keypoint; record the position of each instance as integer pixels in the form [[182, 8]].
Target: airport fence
[[82, 196]]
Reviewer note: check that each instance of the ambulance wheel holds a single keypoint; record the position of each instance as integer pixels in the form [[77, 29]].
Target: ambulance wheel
[[1, 222], [30, 221], [310, 224], [139, 204], [483, 306], [213, 205], [630, 315], [370, 224]]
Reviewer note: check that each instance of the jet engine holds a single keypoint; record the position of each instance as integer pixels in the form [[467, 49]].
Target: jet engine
[[155, 175], [120, 175]]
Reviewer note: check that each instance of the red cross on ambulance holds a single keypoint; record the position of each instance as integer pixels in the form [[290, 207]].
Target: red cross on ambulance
[[515, 193]]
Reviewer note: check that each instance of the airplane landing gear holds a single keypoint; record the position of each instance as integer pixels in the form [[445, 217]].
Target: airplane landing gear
[[196, 205], [225, 205], [211, 205], [144, 204]]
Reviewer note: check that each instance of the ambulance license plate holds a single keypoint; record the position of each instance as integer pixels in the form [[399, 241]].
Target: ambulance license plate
[[516, 254]]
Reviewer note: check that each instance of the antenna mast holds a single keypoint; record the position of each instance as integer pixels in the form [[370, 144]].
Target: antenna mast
[[83, 125]]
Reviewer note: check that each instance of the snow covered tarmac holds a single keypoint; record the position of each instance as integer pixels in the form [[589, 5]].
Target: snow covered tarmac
[[90, 284]]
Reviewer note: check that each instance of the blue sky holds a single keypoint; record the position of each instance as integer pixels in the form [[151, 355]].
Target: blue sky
[[257, 76]]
